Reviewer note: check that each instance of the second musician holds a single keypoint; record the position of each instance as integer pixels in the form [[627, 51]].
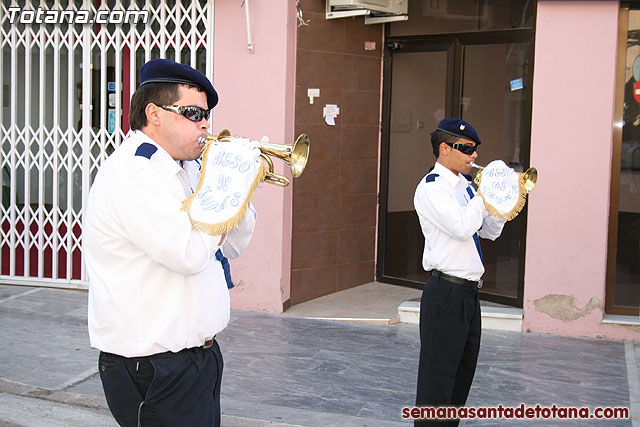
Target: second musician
[[453, 219]]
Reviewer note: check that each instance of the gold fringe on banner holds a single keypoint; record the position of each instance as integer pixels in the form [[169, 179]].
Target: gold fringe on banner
[[231, 223], [522, 199]]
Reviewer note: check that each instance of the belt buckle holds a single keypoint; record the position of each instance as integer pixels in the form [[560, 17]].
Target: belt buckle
[[480, 283]]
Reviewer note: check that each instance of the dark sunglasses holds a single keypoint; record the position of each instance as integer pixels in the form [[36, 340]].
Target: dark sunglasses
[[463, 148], [195, 114]]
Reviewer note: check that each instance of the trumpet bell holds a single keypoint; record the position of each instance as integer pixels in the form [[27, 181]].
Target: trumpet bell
[[295, 156], [530, 179]]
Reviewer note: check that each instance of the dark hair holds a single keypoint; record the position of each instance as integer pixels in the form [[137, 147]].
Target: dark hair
[[437, 138], [151, 93]]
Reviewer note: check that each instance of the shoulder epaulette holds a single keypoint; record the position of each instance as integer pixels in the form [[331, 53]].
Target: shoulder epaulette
[[431, 177], [146, 150]]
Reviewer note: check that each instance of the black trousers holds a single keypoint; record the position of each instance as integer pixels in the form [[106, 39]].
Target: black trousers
[[166, 389], [450, 326]]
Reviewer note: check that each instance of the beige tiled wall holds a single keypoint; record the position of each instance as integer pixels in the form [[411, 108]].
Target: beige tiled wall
[[335, 200]]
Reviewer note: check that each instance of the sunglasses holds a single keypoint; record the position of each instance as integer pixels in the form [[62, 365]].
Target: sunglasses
[[463, 148], [195, 114]]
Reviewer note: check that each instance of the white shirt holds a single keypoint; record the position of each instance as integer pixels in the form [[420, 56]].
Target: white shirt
[[449, 220], [154, 282]]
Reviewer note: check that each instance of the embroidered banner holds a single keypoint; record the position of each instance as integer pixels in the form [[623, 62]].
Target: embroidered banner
[[502, 189], [231, 171]]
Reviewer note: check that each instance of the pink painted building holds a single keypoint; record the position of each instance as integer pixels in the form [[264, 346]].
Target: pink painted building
[[549, 84], [577, 276]]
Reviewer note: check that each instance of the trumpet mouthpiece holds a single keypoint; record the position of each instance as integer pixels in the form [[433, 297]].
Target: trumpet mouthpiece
[[202, 140]]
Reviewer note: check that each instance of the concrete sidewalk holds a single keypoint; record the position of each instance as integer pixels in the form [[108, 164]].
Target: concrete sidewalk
[[282, 371]]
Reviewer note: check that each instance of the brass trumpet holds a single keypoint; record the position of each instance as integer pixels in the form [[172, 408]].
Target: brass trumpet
[[530, 177], [500, 200], [296, 156]]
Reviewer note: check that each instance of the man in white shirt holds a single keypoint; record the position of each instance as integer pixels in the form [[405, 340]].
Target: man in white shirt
[[452, 220], [158, 292]]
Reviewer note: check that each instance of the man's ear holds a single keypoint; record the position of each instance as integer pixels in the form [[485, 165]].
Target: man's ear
[[443, 148], [152, 113]]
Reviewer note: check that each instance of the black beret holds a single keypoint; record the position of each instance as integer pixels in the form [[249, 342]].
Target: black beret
[[459, 128], [168, 71]]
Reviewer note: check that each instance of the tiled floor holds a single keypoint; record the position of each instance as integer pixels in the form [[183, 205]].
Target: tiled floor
[[325, 373], [369, 370]]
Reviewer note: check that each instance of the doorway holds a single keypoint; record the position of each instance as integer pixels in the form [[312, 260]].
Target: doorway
[[484, 78]]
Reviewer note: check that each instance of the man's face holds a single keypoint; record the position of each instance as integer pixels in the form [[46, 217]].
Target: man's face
[[457, 161], [181, 134]]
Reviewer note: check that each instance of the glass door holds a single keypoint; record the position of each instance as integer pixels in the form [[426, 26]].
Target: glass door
[[418, 97], [495, 99], [484, 79]]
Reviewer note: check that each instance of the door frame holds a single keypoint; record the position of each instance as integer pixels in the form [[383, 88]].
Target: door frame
[[610, 307], [453, 44]]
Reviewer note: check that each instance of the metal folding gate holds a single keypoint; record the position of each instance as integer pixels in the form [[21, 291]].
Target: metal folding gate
[[65, 88]]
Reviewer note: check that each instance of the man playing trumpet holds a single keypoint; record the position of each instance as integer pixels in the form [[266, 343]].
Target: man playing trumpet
[[158, 289], [452, 220]]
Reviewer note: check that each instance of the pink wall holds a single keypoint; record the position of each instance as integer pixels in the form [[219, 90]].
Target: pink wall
[[571, 145], [256, 99]]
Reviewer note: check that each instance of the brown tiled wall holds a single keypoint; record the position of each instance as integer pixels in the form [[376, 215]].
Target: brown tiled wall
[[335, 200]]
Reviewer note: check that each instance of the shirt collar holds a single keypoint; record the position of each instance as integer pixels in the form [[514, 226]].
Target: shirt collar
[[161, 155], [451, 178]]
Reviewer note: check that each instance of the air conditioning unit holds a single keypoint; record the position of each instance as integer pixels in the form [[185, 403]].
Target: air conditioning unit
[[374, 11], [455, 9]]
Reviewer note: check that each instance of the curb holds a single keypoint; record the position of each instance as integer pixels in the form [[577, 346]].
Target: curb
[[99, 402], [67, 397]]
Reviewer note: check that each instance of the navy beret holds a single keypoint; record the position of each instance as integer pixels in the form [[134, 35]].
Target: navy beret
[[168, 71], [459, 128]]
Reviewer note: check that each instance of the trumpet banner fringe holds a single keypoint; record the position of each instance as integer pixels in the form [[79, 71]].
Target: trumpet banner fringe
[[522, 199], [228, 225]]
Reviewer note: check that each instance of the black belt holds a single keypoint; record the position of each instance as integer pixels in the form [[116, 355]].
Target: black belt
[[453, 279]]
